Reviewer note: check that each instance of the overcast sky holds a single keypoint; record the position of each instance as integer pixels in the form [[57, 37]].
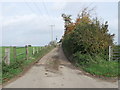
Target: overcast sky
[[29, 22]]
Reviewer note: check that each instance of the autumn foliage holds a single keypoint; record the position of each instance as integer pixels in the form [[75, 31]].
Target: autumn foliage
[[85, 43], [86, 34]]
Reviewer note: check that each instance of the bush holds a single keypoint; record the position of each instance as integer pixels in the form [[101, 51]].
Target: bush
[[87, 36], [87, 42], [85, 59], [81, 59]]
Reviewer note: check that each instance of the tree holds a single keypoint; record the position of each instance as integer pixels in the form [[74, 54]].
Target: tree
[[86, 35], [69, 26]]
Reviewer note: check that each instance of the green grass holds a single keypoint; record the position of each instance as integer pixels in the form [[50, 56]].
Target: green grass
[[107, 69], [96, 65], [17, 66]]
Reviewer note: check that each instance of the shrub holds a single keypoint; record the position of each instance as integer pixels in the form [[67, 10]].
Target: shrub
[[81, 59], [87, 41], [87, 36]]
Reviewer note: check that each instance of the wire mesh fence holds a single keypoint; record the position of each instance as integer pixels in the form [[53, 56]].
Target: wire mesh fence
[[12, 54]]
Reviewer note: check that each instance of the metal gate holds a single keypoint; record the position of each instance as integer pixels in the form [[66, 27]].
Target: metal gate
[[114, 53]]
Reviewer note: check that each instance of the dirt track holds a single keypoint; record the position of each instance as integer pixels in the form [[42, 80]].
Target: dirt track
[[55, 71]]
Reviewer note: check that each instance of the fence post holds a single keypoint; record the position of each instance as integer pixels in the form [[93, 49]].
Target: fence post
[[27, 53], [110, 53], [37, 50], [14, 53], [7, 56]]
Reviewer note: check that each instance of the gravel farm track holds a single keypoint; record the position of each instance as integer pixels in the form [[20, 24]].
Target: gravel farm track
[[55, 71]]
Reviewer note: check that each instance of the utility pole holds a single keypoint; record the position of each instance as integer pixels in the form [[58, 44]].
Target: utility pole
[[52, 31]]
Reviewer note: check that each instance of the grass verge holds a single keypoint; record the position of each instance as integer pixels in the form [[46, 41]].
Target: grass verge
[[18, 66], [95, 65]]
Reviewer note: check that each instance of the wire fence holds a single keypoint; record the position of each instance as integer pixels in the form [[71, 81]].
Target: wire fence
[[11, 54]]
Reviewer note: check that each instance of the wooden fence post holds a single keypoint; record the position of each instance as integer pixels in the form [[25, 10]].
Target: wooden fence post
[[7, 56], [14, 53], [27, 52]]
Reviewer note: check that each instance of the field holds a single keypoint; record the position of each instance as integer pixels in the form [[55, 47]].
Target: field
[[20, 63]]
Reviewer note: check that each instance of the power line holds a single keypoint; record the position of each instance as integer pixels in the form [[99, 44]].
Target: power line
[[37, 8], [29, 7], [49, 20], [44, 5], [45, 8]]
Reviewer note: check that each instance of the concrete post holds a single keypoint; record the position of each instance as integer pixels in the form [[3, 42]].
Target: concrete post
[[7, 56], [110, 53]]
